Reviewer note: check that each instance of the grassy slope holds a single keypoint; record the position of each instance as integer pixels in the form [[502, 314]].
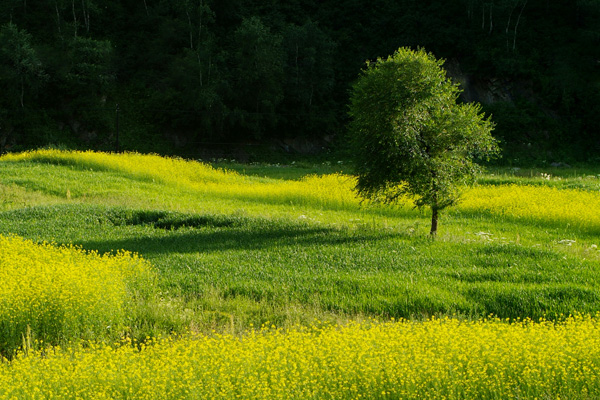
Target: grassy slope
[[231, 258]]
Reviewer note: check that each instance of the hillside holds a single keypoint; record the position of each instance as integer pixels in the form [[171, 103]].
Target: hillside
[[239, 79]]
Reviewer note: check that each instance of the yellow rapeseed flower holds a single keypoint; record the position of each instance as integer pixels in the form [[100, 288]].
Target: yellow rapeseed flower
[[53, 293], [439, 358]]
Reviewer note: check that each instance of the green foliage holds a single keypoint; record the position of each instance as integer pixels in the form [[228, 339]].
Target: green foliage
[[90, 64], [206, 71], [20, 66], [409, 135], [310, 79], [22, 75], [257, 76]]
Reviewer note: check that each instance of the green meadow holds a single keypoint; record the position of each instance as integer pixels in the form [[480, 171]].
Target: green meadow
[[230, 256], [129, 276]]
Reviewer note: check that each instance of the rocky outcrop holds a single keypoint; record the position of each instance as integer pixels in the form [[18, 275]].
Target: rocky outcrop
[[486, 90]]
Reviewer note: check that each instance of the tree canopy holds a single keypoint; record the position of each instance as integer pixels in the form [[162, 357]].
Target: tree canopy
[[410, 136], [190, 73]]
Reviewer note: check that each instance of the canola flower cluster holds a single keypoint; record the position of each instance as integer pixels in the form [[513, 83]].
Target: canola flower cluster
[[147, 166], [436, 359], [574, 208], [55, 293], [332, 191]]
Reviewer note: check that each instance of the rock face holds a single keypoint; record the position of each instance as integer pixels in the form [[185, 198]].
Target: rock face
[[486, 90], [560, 165]]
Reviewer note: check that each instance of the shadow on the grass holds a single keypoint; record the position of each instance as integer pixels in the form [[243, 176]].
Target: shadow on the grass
[[151, 232], [226, 238]]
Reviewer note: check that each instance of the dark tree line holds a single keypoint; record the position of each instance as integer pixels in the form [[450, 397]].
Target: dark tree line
[[188, 72]]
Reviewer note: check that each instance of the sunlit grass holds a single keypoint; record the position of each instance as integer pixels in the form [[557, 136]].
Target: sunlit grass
[[505, 249], [234, 250], [333, 192], [328, 191]]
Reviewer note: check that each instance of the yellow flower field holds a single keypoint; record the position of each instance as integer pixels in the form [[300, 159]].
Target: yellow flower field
[[436, 359], [53, 299], [62, 292], [148, 166], [571, 208], [329, 191]]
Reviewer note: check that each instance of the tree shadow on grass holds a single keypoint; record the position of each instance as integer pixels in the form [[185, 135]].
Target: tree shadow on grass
[[155, 232], [224, 239], [152, 232]]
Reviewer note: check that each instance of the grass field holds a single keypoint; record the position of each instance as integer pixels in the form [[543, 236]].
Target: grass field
[[228, 249]]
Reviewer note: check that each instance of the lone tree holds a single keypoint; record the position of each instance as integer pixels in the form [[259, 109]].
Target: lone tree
[[410, 136]]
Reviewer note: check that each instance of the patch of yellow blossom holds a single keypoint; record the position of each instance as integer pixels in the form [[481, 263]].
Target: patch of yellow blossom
[[150, 166], [56, 293], [436, 359], [575, 208], [567, 207], [328, 191]]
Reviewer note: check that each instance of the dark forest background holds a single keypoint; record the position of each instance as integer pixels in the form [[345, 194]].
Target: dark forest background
[[241, 78]]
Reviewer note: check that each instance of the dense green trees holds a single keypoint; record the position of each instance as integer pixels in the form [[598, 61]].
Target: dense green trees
[[307, 105], [21, 75], [205, 71], [256, 76], [20, 65]]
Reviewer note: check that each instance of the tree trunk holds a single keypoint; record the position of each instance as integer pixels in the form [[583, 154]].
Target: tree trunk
[[86, 16], [508, 23], [491, 18], [57, 17], [187, 12], [483, 16], [209, 69], [517, 25], [434, 222], [199, 67], [22, 91], [74, 17]]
